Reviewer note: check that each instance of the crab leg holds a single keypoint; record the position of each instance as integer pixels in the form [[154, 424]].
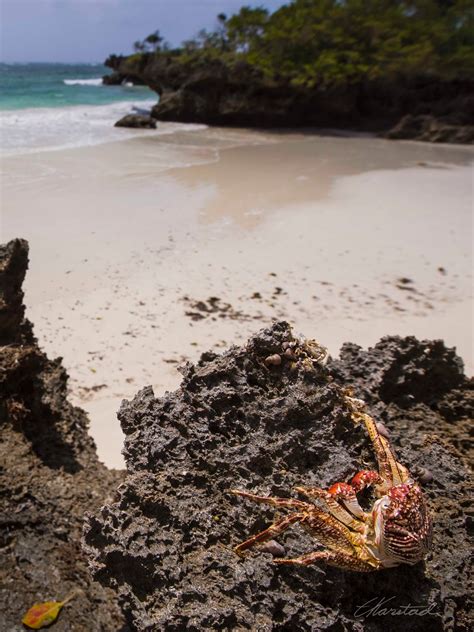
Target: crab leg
[[272, 500], [351, 514], [331, 532], [325, 527], [333, 558], [392, 472], [271, 532]]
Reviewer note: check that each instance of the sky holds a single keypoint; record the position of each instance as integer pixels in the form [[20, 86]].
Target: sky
[[89, 30]]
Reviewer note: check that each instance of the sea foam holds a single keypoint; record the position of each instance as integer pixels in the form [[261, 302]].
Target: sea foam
[[83, 82], [44, 129]]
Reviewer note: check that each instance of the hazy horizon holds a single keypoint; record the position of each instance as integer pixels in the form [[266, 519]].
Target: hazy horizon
[[39, 62], [87, 31]]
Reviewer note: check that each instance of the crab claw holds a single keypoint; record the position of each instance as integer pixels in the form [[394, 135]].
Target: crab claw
[[365, 478]]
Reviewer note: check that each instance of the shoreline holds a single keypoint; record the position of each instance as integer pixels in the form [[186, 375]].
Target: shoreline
[[138, 235], [113, 135]]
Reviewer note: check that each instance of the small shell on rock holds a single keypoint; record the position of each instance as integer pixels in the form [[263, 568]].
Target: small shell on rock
[[382, 430], [289, 353], [273, 360], [423, 475], [273, 548]]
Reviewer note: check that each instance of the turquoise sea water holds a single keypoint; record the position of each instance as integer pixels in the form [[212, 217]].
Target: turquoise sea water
[[58, 85], [46, 107]]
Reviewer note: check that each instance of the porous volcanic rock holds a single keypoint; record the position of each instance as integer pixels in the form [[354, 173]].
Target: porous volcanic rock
[[49, 475], [244, 420]]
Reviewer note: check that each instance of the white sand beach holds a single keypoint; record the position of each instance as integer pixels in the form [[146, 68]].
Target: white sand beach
[[347, 238]]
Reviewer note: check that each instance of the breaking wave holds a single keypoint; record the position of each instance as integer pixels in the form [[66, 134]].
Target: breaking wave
[[83, 82], [44, 129]]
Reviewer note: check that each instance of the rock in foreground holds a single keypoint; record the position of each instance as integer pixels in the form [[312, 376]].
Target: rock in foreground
[[242, 421], [49, 475]]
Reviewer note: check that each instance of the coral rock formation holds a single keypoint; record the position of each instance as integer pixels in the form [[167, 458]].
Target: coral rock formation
[[217, 93], [239, 421]]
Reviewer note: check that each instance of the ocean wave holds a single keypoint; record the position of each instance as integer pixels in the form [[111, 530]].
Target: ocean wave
[[83, 82], [46, 129]]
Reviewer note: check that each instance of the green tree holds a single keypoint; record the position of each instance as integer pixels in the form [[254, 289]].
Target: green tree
[[138, 46], [328, 42], [246, 28], [153, 41], [317, 42]]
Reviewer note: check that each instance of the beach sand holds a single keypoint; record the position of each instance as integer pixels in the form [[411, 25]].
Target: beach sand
[[347, 238]]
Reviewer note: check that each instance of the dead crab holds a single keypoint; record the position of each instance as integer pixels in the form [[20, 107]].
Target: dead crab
[[397, 530]]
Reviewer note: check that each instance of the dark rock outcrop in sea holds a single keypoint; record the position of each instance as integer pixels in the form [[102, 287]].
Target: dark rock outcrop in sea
[[49, 475], [244, 420], [213, 92], [141, 121], [117, 79]]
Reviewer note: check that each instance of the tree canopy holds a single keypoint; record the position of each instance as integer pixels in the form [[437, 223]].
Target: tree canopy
[[326, 42], [152, 43]]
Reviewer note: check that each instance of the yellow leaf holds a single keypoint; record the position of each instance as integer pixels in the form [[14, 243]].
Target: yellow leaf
[[41, 615]]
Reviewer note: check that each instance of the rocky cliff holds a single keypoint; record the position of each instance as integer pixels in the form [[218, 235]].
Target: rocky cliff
[[267, 417], [198, 90], [49, 475]]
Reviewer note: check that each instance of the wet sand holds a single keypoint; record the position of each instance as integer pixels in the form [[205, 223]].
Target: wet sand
[[147, 252]]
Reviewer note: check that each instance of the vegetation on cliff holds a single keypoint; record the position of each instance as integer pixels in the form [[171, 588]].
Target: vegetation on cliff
[[325, 42]]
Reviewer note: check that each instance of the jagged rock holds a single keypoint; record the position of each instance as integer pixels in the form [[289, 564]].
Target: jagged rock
[[13, 264], [165, 543], [118, 79], [114, 79], [211, 91], [428, 128], [214, 93], [405, 371], [49, 475], [137, 120]]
